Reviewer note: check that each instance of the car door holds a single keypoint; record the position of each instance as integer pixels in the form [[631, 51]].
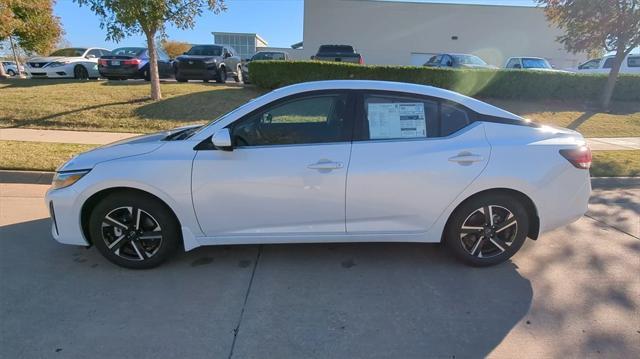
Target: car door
[[411, 157], [286, 173]]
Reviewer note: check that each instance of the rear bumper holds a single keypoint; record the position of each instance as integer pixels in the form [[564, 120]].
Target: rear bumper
[[128, 72], [565, 201]]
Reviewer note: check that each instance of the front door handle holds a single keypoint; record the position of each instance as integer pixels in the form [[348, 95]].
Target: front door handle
[[466, 158], [325, 165]]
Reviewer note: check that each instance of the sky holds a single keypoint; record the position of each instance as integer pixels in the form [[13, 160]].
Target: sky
[[277, 21]]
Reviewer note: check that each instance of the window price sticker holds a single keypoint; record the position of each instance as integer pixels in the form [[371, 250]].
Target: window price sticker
[[397, 120]]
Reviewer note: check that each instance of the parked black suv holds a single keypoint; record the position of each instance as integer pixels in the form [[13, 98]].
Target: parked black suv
[[208, 62]]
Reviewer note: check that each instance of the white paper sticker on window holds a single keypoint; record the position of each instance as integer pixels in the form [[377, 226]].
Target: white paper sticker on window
[[396, 120]]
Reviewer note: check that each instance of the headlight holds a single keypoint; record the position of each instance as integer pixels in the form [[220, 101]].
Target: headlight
[[58, 63], [66, 179]]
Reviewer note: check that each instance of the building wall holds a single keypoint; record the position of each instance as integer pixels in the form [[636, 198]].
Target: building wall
[[245, 44], [390, 32]]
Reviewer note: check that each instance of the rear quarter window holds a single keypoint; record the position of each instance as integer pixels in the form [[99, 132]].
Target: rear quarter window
[[452, 119], [633, 61]]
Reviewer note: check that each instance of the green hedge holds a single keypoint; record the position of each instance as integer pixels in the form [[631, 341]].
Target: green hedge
[[509, 84]]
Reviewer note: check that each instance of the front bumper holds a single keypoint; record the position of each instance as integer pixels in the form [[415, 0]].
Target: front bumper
[[65, 207], [65, 71]]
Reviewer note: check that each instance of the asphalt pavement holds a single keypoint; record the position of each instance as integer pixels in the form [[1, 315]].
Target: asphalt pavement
[[575, 292]]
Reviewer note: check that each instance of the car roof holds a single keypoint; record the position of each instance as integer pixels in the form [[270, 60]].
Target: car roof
[[471, 103]]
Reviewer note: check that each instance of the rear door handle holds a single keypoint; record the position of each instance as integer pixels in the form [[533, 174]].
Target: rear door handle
[[325, 165], [466, 158]]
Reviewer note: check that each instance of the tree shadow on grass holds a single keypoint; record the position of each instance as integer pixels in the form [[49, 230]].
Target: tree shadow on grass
[[44, 120], [196, 106]]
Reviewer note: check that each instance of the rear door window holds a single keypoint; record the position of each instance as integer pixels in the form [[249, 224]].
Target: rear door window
[[402, 117]]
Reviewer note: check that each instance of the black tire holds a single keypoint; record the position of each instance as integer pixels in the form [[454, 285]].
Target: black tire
[[80, 73], [222, 75], [476, 241], [147, 75], [11, 73], [142, 241]]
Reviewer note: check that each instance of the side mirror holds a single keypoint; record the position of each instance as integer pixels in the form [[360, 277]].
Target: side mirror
[[222, 140]]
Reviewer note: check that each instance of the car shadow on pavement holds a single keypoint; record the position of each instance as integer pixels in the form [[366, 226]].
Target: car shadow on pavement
[[320, 300]]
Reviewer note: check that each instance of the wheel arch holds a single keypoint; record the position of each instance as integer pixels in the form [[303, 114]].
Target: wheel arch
[[532, 210], [90, 203]]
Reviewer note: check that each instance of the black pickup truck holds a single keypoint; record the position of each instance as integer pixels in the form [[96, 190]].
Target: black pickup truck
[[340, 53]]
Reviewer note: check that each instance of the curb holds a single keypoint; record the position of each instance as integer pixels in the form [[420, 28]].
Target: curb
[[26, 177], [40, 177]]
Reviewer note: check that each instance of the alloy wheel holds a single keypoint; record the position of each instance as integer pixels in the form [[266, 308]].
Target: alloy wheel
[[488, 231], [131, 233]]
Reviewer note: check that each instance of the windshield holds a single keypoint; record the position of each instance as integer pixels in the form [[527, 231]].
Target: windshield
[[268, 56], [336, 48], [70, 52], [128, 51], [205, 50], [529, 63], [468, 60]]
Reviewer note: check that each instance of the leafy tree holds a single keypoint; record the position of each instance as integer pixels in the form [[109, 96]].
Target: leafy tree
[[174, 48], [31, 23], [591, 25], [122, 18]]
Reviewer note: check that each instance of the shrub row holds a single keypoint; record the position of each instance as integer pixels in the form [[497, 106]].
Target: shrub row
[[507, 84]]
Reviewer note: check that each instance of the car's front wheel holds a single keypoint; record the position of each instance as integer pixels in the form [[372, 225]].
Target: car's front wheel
[[80, 72], [487, 229], [134, 230]]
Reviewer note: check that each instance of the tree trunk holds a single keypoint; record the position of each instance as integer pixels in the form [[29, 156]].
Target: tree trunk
[[3, 74], [611, 80], [156, 94], [15, 58]]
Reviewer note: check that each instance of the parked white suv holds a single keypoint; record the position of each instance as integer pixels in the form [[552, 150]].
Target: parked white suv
[[74, 62], [630, 65], [11, 68]]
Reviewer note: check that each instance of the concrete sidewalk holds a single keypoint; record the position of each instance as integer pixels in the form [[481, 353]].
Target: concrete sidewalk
[[102, 138]]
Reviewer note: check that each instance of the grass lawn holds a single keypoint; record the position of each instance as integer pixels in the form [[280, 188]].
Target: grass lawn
[[41, 156], [615, 164], [622, 121], [118, 106], [123, 106], [37, 156]]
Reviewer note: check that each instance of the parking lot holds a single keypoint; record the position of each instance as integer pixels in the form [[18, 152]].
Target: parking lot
[[573, 293]]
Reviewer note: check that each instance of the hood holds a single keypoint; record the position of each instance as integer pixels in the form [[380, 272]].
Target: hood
[[129, 147], [53, 58]]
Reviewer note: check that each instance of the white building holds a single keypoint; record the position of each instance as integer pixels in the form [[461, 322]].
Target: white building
[[247, 44], [407, 33]]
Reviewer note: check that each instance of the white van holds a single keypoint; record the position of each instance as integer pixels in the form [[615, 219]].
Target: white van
[[630, 65]]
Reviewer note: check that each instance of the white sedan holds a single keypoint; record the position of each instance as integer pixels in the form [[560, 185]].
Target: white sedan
[[76, 62], [329, 161]]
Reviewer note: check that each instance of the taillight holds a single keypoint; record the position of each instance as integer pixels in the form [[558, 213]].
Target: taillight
[[361, 61], [131, 62], [102, 62], [579, 157]]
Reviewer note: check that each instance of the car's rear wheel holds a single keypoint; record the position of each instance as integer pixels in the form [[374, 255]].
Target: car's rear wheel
[[134, 230], [487, 229], [80, 72], [11, 72]]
